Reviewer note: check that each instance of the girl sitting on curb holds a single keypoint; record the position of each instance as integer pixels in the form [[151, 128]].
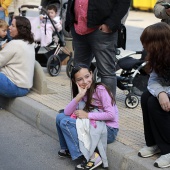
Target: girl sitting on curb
[[99, 106]]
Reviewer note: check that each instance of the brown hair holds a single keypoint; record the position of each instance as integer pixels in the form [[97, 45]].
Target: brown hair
[[90, 91], [52, 7], [3, 24], [156, 41], [24, 29]]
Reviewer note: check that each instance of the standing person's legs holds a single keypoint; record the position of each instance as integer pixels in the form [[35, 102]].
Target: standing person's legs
[[82, 50], [104, 49], [2, 15]]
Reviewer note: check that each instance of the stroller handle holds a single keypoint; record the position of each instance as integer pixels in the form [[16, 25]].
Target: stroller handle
[[138, 52]]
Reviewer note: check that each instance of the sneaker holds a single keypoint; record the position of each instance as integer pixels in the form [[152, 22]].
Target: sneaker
[[163, 161], [64, 154], [148, 151], [94, 162]]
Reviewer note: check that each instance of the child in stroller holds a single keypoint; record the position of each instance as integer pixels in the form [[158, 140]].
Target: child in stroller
[[53, 56], [46, 27]]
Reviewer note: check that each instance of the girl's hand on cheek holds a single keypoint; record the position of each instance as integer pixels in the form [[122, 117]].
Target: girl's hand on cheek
[[82, 91]]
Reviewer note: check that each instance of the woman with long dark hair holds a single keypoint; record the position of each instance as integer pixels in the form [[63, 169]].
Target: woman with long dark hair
[[17, 60], [155, 102]]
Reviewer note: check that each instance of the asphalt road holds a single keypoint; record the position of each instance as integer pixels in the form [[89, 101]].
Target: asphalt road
[[22, 147]]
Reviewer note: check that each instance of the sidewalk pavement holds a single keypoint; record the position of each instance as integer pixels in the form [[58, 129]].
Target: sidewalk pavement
[[41, 110]]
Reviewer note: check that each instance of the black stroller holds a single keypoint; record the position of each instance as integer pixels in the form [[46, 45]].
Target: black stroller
[[133, 78], [53, 55]]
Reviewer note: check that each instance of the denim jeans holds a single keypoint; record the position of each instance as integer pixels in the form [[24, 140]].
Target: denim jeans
[[102, 46], [111, 134], [9, 89], [68, 138], [2, 15]]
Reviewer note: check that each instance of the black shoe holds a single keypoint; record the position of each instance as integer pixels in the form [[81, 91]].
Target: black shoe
[[65, 154]]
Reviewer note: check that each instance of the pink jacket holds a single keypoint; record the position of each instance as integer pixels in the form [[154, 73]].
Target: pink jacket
[[106, 111]]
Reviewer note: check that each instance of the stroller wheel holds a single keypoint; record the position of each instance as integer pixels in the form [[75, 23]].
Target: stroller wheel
[[131, 101], [69, 67], [54, 65], [96, 75]]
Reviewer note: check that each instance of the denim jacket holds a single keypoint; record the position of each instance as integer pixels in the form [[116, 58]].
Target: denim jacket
[[156, 85]]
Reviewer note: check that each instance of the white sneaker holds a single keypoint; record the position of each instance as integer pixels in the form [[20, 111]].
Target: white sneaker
[[148, 151], [163, 161]]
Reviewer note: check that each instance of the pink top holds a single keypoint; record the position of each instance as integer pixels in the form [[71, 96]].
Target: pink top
[[80, 9], [101, 99]]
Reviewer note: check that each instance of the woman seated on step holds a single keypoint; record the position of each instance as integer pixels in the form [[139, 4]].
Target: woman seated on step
[[17, 60]]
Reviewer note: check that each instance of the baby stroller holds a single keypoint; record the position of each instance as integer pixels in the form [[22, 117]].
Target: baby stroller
[[53, 55], [133, 78]]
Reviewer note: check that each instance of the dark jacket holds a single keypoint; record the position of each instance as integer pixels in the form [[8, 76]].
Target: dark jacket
[[109, 12]]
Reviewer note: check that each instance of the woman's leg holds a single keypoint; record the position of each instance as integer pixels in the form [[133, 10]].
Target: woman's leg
[[160, 124], [69, 131], [9, 89], [62, 141], [149, 138]]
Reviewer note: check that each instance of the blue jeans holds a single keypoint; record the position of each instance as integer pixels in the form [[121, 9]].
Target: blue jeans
[[9, 89], [2, 15], [68, 138], [102, 46], [111, 134]]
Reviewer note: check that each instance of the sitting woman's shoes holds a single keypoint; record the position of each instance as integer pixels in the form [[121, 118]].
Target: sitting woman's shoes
[[148, 151], [64, 154], [163, 161]]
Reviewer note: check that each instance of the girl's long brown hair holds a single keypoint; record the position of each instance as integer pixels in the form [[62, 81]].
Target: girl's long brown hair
[[156, 41], [88, 106]]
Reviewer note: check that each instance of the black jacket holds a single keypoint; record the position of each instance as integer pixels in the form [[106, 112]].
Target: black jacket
[[109, 12]]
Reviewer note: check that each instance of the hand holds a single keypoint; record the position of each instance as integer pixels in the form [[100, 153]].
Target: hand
[[168, 11], [3, 45], [105, 28], [81, 114], [82, 91], [164, 101], [41, 17]]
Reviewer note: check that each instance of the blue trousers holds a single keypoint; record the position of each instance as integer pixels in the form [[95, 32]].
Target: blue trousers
[[68, 138], [9, 89], [2, 15]]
